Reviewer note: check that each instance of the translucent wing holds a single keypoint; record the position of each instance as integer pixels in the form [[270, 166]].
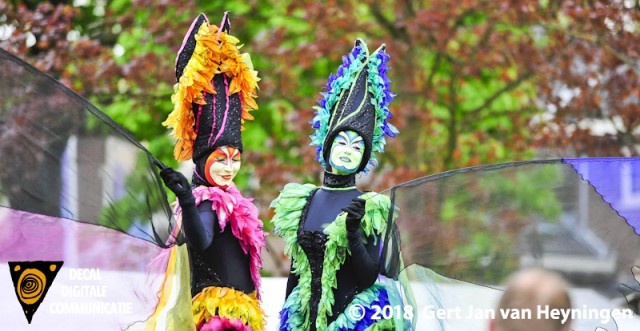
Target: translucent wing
[[459, 235], [75, 187]]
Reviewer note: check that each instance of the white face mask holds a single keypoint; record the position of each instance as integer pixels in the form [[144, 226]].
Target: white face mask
[[347, 150], [222, 166]]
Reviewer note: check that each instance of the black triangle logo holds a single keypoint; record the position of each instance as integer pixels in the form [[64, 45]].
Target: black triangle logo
[[31, 281]]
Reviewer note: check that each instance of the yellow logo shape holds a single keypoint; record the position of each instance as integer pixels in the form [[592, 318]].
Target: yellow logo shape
[[31, 280]]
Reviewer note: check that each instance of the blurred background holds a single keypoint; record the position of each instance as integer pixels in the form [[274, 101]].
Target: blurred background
[[477, 82]]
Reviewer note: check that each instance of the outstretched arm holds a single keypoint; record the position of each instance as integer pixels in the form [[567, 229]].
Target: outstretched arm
[[197, 221]]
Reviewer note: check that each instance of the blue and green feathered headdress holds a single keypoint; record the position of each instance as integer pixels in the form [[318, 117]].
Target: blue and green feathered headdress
[[357, 98]]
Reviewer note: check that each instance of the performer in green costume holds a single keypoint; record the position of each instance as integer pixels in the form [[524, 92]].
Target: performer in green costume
[[334, 233]]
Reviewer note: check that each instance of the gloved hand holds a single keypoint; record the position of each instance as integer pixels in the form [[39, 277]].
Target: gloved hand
[[355, 211], [179, 185]]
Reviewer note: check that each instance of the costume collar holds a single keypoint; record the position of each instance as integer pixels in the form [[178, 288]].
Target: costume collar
[[333, 181]]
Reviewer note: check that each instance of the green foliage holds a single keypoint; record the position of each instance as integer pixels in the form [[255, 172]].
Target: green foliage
[[469, 78], [139, 184], [487, 212]]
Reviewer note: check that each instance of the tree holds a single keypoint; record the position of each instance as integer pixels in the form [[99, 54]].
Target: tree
[[477, 81], [25, 167], [591, 86]]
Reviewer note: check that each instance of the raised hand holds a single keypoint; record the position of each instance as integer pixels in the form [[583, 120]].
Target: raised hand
[[178, 184], [355, 212]]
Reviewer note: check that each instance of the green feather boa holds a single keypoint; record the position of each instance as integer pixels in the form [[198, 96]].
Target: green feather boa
[[288, 210]]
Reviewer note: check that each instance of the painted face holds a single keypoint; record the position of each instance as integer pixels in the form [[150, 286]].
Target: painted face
[[222, 166], [346, 153]]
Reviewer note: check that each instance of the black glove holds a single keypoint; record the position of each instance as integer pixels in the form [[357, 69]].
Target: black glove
[[179, 185], [355, 211], [364, 257]]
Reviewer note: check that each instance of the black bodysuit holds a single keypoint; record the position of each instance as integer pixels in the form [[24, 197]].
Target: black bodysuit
[[216, 258], [359, 270]]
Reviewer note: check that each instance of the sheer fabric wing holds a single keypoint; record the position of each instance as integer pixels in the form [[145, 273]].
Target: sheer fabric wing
[[75, 187], [461, 234]]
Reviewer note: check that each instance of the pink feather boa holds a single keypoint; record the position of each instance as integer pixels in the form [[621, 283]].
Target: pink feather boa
[[234, 209]]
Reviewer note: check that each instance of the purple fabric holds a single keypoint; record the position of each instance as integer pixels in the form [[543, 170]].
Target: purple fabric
[[32, 237], [101, 267], [617, 180]]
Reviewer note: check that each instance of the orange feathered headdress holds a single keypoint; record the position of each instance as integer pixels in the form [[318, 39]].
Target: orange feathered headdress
[[216, 89]]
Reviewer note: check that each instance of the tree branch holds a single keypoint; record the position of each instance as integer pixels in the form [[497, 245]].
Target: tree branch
[[473, 118], [388, 25], [510, 86], [452, 137], [483, 41], [622, 57], [408, 6], [434, 68]]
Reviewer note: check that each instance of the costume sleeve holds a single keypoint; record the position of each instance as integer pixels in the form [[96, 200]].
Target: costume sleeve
[[292, 281], [365, 258], [198, 222]]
